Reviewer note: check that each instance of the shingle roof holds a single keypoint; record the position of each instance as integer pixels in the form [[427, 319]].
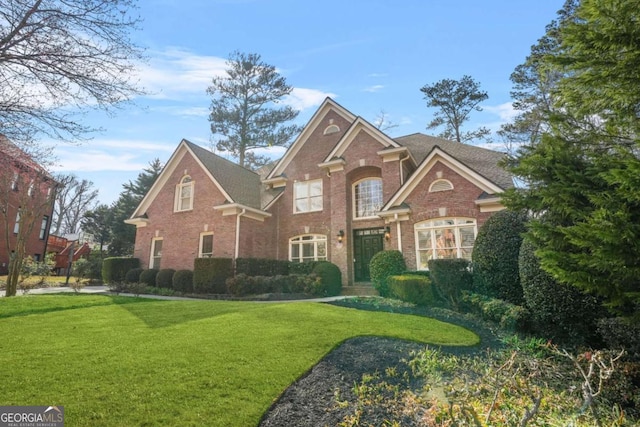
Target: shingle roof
[[242, 185], [483, 161]]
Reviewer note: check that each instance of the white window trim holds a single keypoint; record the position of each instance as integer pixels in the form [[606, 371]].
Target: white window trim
[[200, 253], [177, 202], [317, 238], [424, 226], [16, 226], [308, 184], [153, 248], [354, 202], [440, 182]]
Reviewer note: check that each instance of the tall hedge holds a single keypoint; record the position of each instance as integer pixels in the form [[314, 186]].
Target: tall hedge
[[114, 269], [385, 264], [210, 275], [330, 277], [262, 267], [495, 257], [559, 311]]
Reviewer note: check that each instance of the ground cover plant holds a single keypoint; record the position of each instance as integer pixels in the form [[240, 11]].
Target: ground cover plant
[[129, 361]]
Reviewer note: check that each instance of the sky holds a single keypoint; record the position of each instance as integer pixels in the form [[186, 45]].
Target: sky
[[370, 56]]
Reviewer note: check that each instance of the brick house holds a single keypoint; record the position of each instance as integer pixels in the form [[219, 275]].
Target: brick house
[[342, 192], [26, 199]]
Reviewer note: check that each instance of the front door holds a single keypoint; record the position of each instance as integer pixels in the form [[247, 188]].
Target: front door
[[366, 243]]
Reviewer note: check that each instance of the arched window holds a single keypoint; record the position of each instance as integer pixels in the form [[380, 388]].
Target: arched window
[[444, 238], [440, 185], [184, 194], [367, 196], [309, 247]]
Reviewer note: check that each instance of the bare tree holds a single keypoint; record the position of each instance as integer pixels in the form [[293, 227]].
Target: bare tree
[[26, 197], [59, 58], [73, 199], [383, 123]]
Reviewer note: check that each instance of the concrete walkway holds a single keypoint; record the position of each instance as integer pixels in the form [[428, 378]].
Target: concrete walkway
[[104, 290]]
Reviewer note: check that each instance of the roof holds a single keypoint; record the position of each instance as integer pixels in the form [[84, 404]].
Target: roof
[[241, 184], [16, 153], [481, 160]]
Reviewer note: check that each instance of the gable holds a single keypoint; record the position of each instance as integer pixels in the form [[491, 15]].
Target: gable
[[436, 156], [360, 126]]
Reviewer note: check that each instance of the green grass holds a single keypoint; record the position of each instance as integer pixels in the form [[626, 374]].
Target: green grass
[[117, 361]]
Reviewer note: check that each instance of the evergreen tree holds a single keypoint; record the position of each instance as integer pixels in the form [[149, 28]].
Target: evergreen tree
[[243, 109]]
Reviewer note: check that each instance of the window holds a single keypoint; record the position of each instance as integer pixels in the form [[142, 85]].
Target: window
[[156, 253], [440, 185], [206, 245], [16, 227], [444, 238], [307, 196], [43, 227], [312, 247], [14, 181], [368, 197], [184, 195]]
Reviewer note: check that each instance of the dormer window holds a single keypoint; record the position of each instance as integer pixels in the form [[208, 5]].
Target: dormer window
[[440, 185], [184, 195]]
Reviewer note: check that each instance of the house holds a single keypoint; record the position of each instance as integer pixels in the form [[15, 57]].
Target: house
[[66, 252], [26, 199], [343, 191]]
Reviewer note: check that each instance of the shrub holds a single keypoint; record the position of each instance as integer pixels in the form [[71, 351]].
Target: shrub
[[95, 261], [243, 285], [133, 275], [301, 267], [114, 269], [450, 277], [210, 275], [262, 267], [182, 281], [509, 316], [330, 277], [385, 264], [495, 256], [559, 311], [148, 277], [164, 278], [412, 288]]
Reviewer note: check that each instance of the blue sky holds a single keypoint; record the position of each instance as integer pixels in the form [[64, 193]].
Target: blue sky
[[369, 55]]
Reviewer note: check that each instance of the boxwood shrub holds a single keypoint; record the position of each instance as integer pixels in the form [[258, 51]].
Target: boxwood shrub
[[330, 277], [495, 256], [210, 275], [450, 277], [114, 269], [385, 264], [262, 267], [133, 275], [244, 285], [164, 278], [509, 316], [148, 277], [412, 288], [182, 281]]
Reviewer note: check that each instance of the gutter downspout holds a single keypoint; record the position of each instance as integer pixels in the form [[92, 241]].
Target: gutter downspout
[[237, 249]]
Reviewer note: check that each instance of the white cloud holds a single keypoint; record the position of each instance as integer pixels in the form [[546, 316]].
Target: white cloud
[[504, 111], [301, 98], [96, 161], [374, 88]]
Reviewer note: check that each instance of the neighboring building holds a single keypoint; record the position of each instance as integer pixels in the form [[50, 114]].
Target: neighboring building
[[66, 252], [342, 192], [26, 199]]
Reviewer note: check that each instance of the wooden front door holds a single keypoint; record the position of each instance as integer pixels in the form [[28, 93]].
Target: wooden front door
[[366, 243]]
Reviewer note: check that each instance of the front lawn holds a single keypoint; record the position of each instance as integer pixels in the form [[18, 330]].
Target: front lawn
[[118, 361]]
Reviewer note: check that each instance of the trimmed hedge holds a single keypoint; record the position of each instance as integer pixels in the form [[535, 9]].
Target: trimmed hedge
[[495, 257], [330, 277], [148, 277], [301, 267], [164, 278], [210, 275], [133, 275], [413, 288], [509, 316], [244, 285], [385, 264], [182, 281], [262, 267], [559, 311], [114, 269], [450, 277]]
